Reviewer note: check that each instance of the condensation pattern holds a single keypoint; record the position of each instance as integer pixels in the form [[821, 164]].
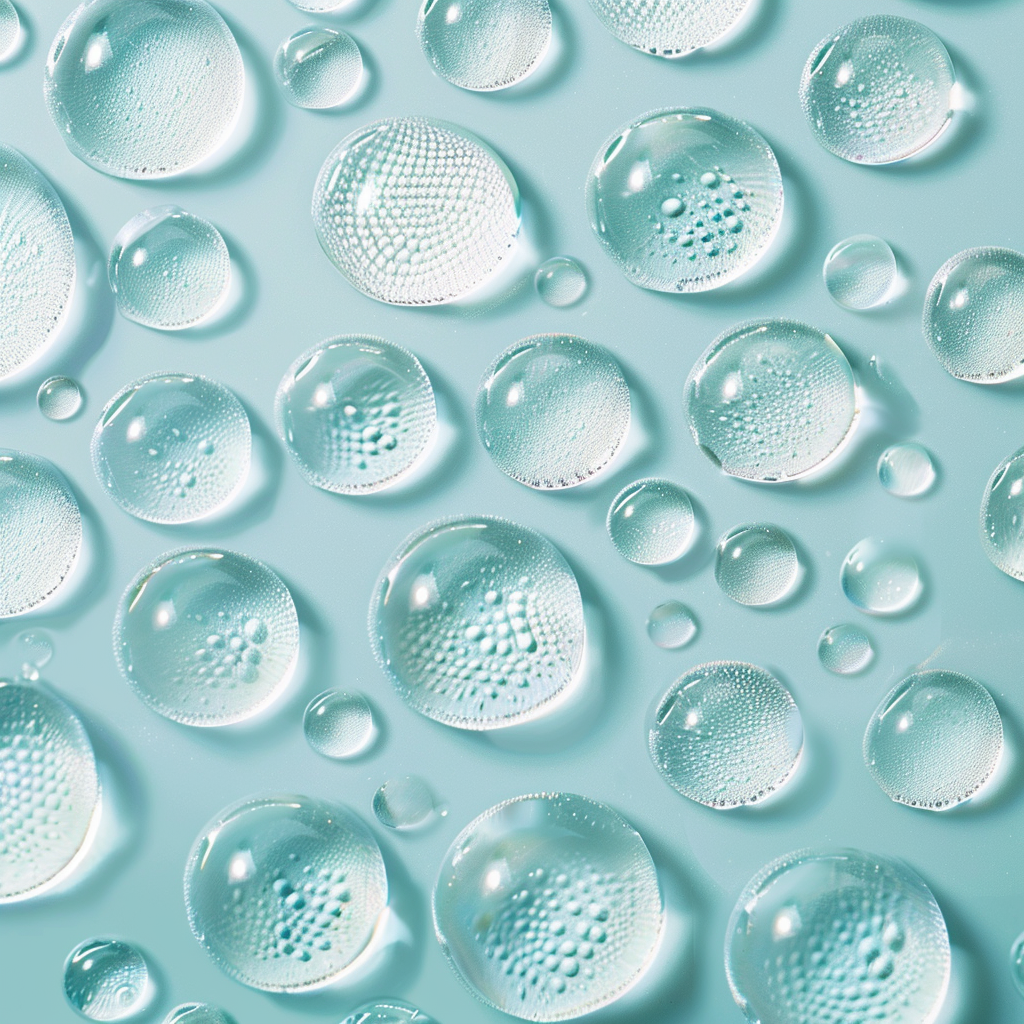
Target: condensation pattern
[[669, 28], [1002, 516]]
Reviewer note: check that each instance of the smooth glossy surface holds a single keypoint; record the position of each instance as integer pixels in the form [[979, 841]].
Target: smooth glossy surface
[[671, 625], [845, 650], [669, 28], [906, 470], [880, 577], [106, 980], [403, 802], [860, 272], [389, 1011], [756, 564], [1002, 516], [59, 398], [560, 281], [651, 522], [318, 68], [338, 724]]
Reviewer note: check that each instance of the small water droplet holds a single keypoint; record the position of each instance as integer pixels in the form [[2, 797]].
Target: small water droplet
[[671, 625], [59, 398], [756, 564], [845, 650], [338, 724], [107, 980], [404, 803], [906, 470], [651, 522], [1002, 516], [880, 578], [560, 281], [318, 68], [860, 272]]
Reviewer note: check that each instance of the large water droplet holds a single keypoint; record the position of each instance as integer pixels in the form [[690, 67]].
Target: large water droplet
[[197, 1013], [906, 470], [880, 578], [671, 625], [560, 281], [59, 398], [756, 564], [10, 29], [338, 724], [651, 522], [404, 802], [107, 980], [860, 272], [669, 28], [390, 1012], [1002, 516], [845, 650], [318, 68]]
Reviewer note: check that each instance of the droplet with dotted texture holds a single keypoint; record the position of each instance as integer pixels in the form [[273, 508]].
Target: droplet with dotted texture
[[651, 522], [59, 398], [318, 68], [671, 625], [105, 979], [338, 724], [756, 564], [10, 29], [860, 272], [560, 281], [844, 650], [880, 578]]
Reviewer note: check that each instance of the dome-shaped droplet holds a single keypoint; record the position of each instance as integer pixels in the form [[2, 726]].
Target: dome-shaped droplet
[[671, 625], [144, 88], [560, 281], [318, 68], [10, 29], [844, 650], [756, 564], [478, 622], [107, 980], [552, 410], [771, 400], [906, 470], [403, 802], [356, 413], [880, 578], [390, 1011], [685, 200], [842, 936], [878, 90], [172, 448], [934, 740], [1002, 516], [284, 893], [414, 211], [197, 1013], [860, 272], [669, 28], [651, 521], [338, 724], [548, 906], [59, 398]]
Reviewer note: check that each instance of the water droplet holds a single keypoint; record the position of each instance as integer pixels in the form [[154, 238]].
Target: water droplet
[[560, 281], [906, 470], [356, 413], [403, 803], [860, 272], [667, 28], [671, 625], [727, 220], [650, 522], [878, 90], [284, 893], [478, 622], [390, 1012], [934, 740], [414, 211], [37, 262], [172, 448], [41, 527], [974, 315], [1002, 516], [484, 44], [59, 398], [548, 907], [10, 28], [840, 933], [197, 1013], [106, 980], [1017, 963], [34, 649], [318, 68], [879, 578], [144, 89], [339, 724], [726, 734], [756, 564], [206, 637], [845, 650], [552, 410], [771, 400]]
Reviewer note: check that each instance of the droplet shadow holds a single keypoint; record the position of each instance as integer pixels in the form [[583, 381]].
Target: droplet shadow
[[238, 303], [755, 27]]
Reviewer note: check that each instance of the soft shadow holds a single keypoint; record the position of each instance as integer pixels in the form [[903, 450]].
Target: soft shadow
[[757, 24], [553, 67], [239, 302], [1006, 785], [699, 554]]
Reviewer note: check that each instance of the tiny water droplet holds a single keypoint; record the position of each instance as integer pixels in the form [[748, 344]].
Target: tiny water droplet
[[338, 724], [318, 68], [403, 803], [880, 578], [107, 980], [845, 650], [906, 470], [756, 564], [560, 281], [671, 625], [651, 522], [860, 272]]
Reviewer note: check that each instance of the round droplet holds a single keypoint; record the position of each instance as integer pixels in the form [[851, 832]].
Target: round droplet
[[390, 1012], [651, 521], [284, 893], [671, 625], [548, 906], [560, 281], [10, 28], [552, 410], [356, 413], [484, 45], [172, 448], [845, 650], [878, 90], [1017, 963], [206, 637], [144, 88], [168, 269], [37, 262], [33, 648], [669, 28], [726, 734], [318, 68], [934, 741], [106, 980], [756, 564], [339, 724], [842, 932], [685, 200], [415, 211], [1002, 516], [879, 578], [974, 315], [403, 803], [860, 272], [40, 531], [197, 1013], [59, 398], [906, 470], [49, 800], [478, 622], [771, 400]]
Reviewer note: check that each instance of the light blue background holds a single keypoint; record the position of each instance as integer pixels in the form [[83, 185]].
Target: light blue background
[[168, 780]]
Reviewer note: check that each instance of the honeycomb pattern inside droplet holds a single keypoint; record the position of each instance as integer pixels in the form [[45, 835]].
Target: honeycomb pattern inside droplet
[[669, 28], [1002, 516]]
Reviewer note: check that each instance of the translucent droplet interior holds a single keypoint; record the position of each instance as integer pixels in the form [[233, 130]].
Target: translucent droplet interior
[[671, 625], [756, 564], [403, 802], [318, 68], [105, 979], [33, 648], [560, 281], [880, 577], [338, 724], [197, 1013], [906, 470], [845, 650], [651, 522], [59, 398], [860, 272], [1002, 516]]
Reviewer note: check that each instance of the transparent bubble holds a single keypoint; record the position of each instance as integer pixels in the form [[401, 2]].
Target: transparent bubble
[[318, 68], [842, 936], [40, 531], [144, 88], [548, 906], [756, 564], [37, 262], [59, 398], [860, 272], [974, 315], [169, 269], [197, 1013], [1017, 963], [10, 28], [878, 90], [484, 44], [206, 637], [845, 650], [669, 28], [771, 400], [106, 980], [390, 1012], [49, 800], [1002, 516], [172, 448], [906, 470], [560, 281], [284, 893], [726, 734], [338, 724], [478, 622], [685, 200], [356, 413], [934, 740], [671, 625], [552, 410], [880, 578], [651, 522], [403, 803], [34, 649], [415, 211]]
